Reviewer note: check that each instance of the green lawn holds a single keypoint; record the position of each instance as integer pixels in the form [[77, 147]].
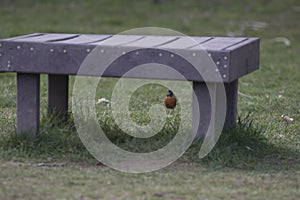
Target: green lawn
[[259, 159]]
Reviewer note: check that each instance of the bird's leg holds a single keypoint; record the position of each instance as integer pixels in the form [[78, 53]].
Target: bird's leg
[[169, 113], [172, 111]]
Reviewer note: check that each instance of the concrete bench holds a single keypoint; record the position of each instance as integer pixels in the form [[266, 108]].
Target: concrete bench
[[60, 55]]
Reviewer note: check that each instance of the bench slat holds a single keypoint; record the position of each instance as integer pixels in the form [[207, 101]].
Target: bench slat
[[240, 44], [85, 39], [151, 41], [219, 43], [46, 37], [119, 40], [185, 42], [25, 36]]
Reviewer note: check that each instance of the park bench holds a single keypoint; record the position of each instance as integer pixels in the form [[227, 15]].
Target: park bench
[[60, 55]]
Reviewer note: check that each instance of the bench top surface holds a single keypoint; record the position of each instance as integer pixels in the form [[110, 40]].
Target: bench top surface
[[64, 53]]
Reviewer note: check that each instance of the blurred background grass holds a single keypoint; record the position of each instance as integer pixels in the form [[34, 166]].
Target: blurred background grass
[[259, 148]]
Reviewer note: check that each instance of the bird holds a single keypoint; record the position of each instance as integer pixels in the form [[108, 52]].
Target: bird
[[170, 100]]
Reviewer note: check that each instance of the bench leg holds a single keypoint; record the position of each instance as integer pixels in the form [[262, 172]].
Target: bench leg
[[28, 104], [211, 109], [58, 90], [231, 97], [200, 126]]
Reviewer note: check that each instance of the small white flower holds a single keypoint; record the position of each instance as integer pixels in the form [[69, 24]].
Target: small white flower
[[103, 100], [287, 118]]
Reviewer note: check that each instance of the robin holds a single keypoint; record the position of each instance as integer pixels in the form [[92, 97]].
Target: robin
[[170, 100]]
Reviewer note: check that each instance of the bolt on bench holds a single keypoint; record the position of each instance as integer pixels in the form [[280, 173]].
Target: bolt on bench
[[60, 55]]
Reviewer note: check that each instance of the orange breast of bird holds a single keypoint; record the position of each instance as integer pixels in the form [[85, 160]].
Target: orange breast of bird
[[170, 102]]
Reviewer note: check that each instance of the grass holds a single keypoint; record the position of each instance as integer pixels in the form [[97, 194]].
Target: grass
[[258, 159]]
